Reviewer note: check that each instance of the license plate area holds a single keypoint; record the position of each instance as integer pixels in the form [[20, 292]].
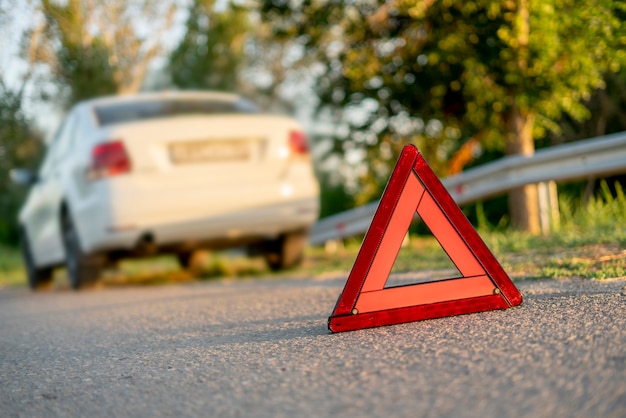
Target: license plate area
[[210, 151]]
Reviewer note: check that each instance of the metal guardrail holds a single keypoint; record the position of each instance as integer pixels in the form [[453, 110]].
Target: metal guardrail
[[594, 157]]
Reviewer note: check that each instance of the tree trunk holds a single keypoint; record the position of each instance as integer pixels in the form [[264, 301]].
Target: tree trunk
[[523, 201]]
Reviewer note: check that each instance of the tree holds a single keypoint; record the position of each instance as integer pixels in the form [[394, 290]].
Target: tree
[[20, 146], [227, 47], [80, 64], [211, 52], [608, 112], [96, 48], [502, 72]]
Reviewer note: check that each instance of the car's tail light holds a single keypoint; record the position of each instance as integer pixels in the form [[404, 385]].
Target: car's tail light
[[298, 143], [109, 159]]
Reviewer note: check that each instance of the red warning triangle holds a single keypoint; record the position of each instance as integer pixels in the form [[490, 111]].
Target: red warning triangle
[[483, 285]]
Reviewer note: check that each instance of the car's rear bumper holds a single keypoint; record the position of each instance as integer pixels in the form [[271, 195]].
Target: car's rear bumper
[[184, 219]]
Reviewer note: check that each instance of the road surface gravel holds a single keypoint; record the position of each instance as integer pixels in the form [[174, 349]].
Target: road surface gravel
[[260, 348]]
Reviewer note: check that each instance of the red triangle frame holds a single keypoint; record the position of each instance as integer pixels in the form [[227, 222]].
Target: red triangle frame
[[365, 302]]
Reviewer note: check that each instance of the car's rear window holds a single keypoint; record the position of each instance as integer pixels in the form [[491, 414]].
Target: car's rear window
[[130, 111]]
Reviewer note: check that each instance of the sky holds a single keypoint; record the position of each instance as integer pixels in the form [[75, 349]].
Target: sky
[[14, 20]]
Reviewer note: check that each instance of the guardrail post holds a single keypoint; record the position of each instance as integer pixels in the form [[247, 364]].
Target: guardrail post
[[333, 246], [549, 217]]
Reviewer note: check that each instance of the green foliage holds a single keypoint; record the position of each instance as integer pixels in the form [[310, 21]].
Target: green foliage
[[607, 107], [211, 52], [602, 219], [334, 197], [82, 66], [472, 62], [93, 48], [83, 72], [20, 146]]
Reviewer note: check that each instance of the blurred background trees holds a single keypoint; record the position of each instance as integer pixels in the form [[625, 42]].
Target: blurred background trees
[[20, 146], [94, 48], [211, 52], [444, 73], [465, 81]]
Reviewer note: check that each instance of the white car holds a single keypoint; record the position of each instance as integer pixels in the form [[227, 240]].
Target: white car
[[166, 172]]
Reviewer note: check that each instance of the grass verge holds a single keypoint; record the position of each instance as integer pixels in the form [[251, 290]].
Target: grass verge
[[590, 242], [592, 261], [11, 268]]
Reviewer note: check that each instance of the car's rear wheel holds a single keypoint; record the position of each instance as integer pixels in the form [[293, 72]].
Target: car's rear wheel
[[286, 252], [82, 270], [193, 261], [38, 278]]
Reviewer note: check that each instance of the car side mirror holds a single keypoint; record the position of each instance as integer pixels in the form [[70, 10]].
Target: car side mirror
[[23, 177]]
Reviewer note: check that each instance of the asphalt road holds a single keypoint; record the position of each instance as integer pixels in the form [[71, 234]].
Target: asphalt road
[[261, 348]]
